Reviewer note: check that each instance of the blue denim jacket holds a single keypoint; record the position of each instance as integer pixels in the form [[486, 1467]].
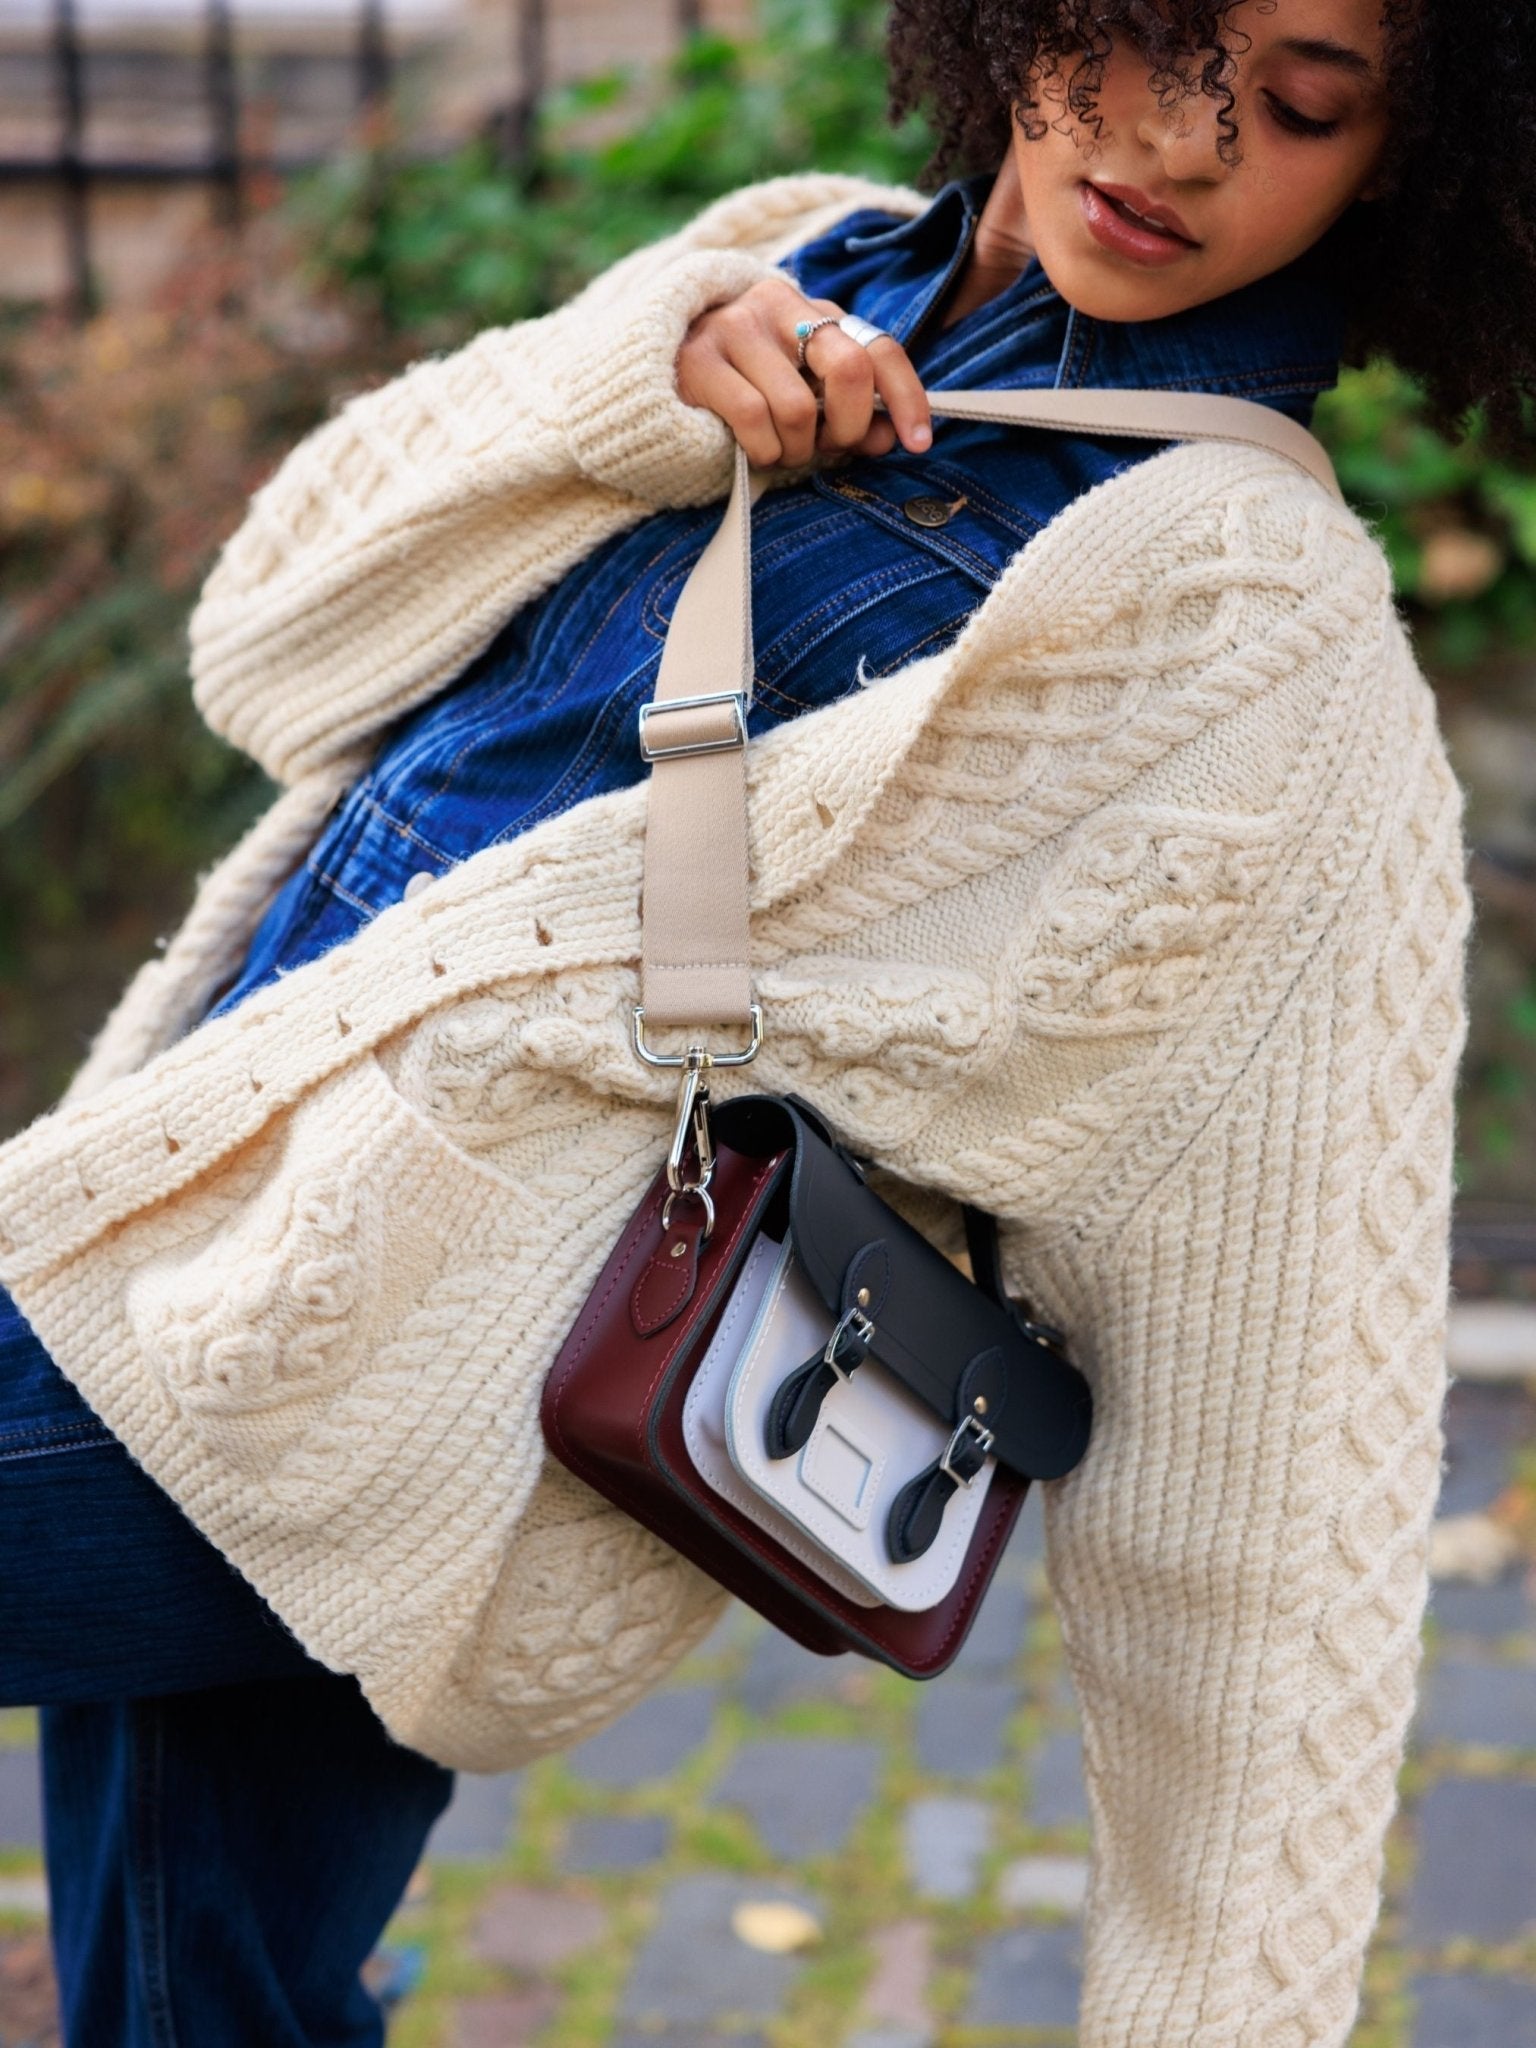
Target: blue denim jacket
[[847, 585]]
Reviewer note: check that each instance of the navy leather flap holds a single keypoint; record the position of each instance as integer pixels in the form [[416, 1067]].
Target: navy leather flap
[[960, 1352]]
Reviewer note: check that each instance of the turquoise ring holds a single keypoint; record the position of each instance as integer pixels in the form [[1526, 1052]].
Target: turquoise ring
[[804, 329]]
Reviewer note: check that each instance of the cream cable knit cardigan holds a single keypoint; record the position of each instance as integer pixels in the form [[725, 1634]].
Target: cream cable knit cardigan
[[1138, 916]]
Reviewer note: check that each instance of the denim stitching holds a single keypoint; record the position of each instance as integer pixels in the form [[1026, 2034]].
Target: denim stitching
[[147, 1731], [599, 627], [956, 553], [52, 1436]]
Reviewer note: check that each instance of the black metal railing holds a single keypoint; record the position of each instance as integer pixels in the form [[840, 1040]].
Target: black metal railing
[[75, 170]]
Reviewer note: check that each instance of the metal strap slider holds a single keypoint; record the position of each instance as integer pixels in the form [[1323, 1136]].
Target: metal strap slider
[[716, 743]]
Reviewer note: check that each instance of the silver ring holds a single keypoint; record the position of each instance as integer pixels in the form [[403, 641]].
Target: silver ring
[[862, 331], [804, 329], [676, 1196]]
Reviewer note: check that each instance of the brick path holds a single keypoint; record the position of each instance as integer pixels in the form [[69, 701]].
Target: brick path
[[781, 1852]]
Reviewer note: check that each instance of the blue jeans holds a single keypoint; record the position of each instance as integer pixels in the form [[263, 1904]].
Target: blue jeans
[[228, 1825]]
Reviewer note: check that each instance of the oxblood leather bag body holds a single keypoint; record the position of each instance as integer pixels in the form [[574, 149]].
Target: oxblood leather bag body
[[614, 1402], [761, 1181]]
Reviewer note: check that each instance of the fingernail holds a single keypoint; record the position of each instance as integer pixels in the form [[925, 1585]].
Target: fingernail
[[921, 437]]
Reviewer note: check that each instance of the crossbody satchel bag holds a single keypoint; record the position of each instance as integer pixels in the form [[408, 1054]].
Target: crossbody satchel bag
[[775, 1372]]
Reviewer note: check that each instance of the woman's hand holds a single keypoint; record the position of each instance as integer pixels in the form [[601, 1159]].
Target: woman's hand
[[740, 360]]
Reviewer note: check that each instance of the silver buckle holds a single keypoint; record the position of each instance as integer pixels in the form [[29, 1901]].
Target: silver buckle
[[737, 700], [853, 1323], [984, 1439], [696, 1055]]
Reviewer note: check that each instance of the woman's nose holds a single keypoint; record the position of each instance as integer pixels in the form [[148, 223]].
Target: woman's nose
[[1185, 136]]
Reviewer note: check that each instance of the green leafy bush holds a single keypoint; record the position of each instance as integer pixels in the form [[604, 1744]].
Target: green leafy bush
[[444, 248], [1458, 527]]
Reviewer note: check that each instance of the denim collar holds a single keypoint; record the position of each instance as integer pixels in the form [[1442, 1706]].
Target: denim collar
[[1278, 339]]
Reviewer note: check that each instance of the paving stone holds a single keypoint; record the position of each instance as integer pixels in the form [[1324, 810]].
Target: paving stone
[[1456, 2011], [1060, 1882], [651, 1739], [523, 1928], [689, 2037], [1027, 1543], [997, 1636], [1505, 1608], [803, 1797], [21, 1802], [1476, 1870], [962, 1724], [1057, 1794], [506, 2019], [890, 2037], [780, 1672], [895, 1999], [736, 1627], [393, 1971], [28, 2002], [24, 1895], [1466, 1701], [617, 1842], [945, 1840], [479, 1817], [1483, 1425], [694, 1970], [1027, 1978]]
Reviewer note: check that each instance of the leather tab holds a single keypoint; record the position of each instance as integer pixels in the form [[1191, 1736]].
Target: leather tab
[[917, 1512], [983, 1389], [867, 1282], [794, 1408], [669, 1276]]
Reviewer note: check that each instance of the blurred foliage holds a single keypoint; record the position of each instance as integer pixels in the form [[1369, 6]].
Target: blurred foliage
[[444, 248], [1458, 527], [128, 447]]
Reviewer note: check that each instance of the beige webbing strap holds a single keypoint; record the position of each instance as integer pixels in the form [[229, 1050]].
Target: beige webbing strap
[[695, 971]]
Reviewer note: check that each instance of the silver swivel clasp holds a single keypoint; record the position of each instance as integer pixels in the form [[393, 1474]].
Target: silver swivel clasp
[[691, 1157]]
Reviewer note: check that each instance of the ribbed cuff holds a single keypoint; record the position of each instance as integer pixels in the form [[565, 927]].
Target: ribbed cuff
[[628, 427]]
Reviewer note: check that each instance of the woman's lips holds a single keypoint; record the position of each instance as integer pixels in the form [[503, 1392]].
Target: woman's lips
[[1116, 224]]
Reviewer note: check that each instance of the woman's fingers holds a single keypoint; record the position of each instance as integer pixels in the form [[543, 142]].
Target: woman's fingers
[[852, 375], [902, 389], [759, 356], [742, 360], [713, 383], [847, 387]]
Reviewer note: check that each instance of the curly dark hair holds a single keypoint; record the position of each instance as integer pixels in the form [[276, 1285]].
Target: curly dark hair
[[1442, 266]]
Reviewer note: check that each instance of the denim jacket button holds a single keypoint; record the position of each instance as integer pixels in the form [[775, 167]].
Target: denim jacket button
[[926, 511]]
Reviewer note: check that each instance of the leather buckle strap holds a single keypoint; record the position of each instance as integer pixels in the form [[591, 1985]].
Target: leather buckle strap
[[917, 1512], [967, 1451]]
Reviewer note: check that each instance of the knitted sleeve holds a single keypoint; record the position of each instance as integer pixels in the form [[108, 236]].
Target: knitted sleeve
[[1240, 1563], [393, 543]]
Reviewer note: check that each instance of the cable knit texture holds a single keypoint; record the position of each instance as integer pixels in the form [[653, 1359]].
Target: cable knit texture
[[1137, 916]]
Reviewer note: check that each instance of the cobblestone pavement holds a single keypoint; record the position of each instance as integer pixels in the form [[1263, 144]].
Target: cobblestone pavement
[[784, 1852]]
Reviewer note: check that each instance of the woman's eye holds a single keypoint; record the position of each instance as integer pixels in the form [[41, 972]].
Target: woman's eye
[[1294, 121]]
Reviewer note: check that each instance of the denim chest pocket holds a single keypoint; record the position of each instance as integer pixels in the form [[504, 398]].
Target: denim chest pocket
[[839, 599]]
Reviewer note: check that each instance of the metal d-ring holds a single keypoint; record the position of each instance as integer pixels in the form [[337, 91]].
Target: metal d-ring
[[703, 1194]]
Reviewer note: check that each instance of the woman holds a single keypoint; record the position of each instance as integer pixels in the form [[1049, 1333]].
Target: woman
[[1115, 885]]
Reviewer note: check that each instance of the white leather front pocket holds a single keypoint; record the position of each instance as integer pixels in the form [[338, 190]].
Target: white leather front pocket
[[871, 1437]]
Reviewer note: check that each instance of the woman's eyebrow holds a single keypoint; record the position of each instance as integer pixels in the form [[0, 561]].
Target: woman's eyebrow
[[1322, 50]]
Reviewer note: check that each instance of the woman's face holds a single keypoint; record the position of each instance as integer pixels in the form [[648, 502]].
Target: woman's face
[[1145, 218]]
